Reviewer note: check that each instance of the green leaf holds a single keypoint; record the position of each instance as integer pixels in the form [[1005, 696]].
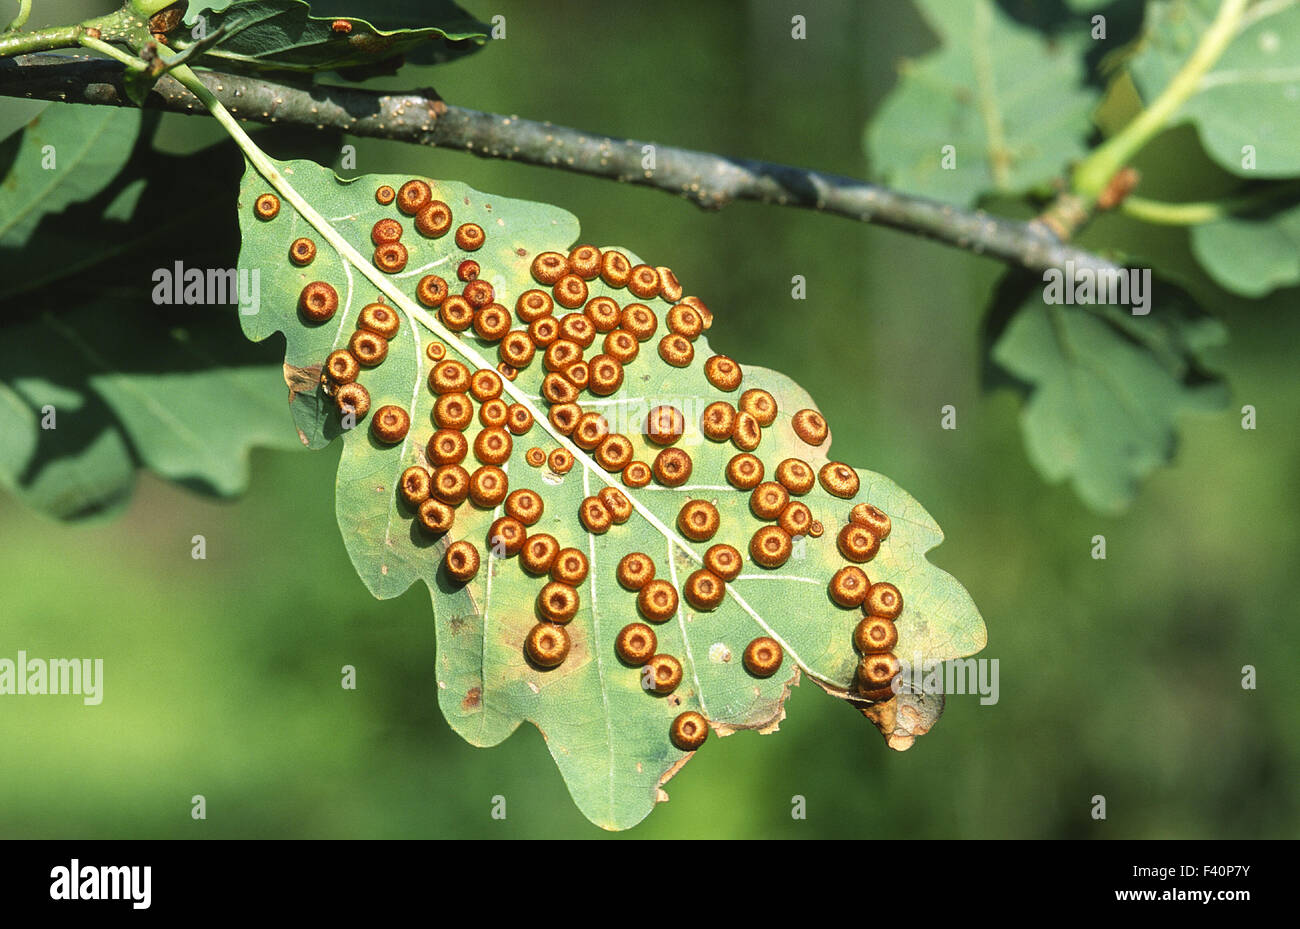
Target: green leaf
[[1251, 255], [1105, 387], [98, 384], [1013, 105], [91, 393], [1249, 96], [609, 737], [282, 35]]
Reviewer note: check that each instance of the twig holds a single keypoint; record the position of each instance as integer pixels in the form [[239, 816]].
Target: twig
[[708, 180]]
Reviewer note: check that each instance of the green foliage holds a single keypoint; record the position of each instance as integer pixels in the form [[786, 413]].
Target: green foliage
[[283, 35], [1248, 97], [130, 384], [606, 734], [1251, 255], [1013, 104], [1106, 388]]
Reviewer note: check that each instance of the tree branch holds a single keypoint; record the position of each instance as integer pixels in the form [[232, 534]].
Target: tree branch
[[421, 117]]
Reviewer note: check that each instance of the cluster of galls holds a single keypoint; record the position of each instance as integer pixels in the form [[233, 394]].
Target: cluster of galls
[[881, 603]]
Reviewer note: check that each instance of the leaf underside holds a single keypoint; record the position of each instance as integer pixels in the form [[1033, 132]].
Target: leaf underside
[[609, 736], [283, 35]]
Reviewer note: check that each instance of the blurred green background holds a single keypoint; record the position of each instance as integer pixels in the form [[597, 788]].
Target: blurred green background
[[1118, 677]]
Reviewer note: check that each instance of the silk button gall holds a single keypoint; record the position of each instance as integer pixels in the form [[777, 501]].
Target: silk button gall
[[570, 567], [584, 261], [883, 600], [469, 237], [795, 519], [391, 257], [318, 302], [414, 485], [369, 348], [685, 322], [748, 433], [615, 269], [875, 672], [385, 195], [385, 231], [342, 367], [485, 385], [507, 535], [724, 561], [620, 508], [718, 421], [592, 429], [640, 320], [763, 657], [302, 252], [744, 472], [796, 476], [857, 543], [557, 602], [390, 424], [431, 291], [874, 635], [451, 484], [637, 474], [664, 425], [768, 500], [672, 467], [549, 267], [635, 644], [864, 514], [538, 553], [547, 646], [493, 412], [266, 207], [468, 270], [352, 400], [516, 349], [810, 426], [661, 674], [533, 305], [461, 561], [413, 195], [559, 460], [456, 313], [519, 419], [435, 517], [657, 601], [594, 515], [447, 447], [669, 287], [606, 375], [770, 547], [698, 520], [614, 453], [479, 294], [760, 404], [676, 350], [849, 586], [688, 731], [453, 411], [838, 479], [488, 486], [603, 313], [493, 445], [433, 219], [635, 570], [621, 345], [643, 282], [722, 373], [704, 590], [525, 506], [379, 319]]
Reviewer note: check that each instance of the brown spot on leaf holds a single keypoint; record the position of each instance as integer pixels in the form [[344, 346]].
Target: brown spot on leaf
[[472, 699], [301, 380]]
